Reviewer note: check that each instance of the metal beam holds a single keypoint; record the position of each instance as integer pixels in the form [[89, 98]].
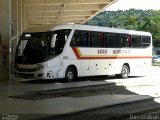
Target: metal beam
[[61, 11], [57, 13], [56, 18], [57, 2], [63, 8], [55, 22]]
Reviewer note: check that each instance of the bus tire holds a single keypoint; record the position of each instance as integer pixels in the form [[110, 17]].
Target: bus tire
[[124, 72], [70, 74]]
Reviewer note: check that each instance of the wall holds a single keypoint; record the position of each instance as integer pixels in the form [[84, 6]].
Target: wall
[[5, 35]]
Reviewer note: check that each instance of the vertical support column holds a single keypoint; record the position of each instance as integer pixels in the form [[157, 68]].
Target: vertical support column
[[23, 15], [14, 33], [14, 19], [16, 30], [17, 17], [5, 37], [20, 20]]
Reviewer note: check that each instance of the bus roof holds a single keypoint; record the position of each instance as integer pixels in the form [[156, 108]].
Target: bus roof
[[51, 27]]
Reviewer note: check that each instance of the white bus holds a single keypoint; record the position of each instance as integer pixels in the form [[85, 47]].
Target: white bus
[[71, 51]]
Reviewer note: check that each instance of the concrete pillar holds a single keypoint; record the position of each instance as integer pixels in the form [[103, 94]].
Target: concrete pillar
[[5, 36], [16, 30], [16, 17]]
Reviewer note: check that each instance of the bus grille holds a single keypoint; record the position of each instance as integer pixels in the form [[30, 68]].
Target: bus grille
[[26, 75], [26, 70]]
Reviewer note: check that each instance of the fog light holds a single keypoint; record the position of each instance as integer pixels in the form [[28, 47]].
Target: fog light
[[40, 75]]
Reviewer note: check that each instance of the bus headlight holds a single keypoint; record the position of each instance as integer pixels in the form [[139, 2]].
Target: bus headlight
[[22, 69], [41, 67]]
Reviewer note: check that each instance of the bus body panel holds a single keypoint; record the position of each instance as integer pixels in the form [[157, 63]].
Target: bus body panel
[[91, 61]]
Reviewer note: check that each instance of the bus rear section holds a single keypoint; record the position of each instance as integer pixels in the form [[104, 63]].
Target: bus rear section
[[111, 51]]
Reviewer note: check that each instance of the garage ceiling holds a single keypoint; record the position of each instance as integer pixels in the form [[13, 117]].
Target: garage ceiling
[[38, 12]]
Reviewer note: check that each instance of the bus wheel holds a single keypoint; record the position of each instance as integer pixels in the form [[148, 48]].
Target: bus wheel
[[124, 72], [70, 74]]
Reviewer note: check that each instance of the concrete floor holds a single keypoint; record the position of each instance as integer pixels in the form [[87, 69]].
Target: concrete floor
[[61, 105]]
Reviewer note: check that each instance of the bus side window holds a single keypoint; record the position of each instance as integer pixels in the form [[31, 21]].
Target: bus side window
[[112, 40], [91, 39], [96, 39], [101, 39], [133, 41], [85, 39], [107, 40], [73, 41], [146, 41], [136, 41], [129, 41], [123, 40], [77, 39]]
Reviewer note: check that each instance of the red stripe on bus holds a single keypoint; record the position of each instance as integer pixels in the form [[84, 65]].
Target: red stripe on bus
[[76, 52], [139, 57]]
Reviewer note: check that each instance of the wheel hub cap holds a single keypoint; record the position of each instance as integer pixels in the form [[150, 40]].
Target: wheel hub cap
[[70, 75]]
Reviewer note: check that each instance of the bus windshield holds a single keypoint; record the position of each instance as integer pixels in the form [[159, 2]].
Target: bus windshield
[[38, 47]]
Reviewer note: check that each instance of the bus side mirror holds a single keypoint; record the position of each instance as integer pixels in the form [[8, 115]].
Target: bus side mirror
[[53, 40]]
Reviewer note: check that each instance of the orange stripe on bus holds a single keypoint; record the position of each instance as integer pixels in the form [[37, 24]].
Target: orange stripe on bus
[[79, 55]]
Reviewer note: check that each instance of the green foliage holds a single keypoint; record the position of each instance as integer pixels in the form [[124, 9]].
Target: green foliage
[[148, 20]]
